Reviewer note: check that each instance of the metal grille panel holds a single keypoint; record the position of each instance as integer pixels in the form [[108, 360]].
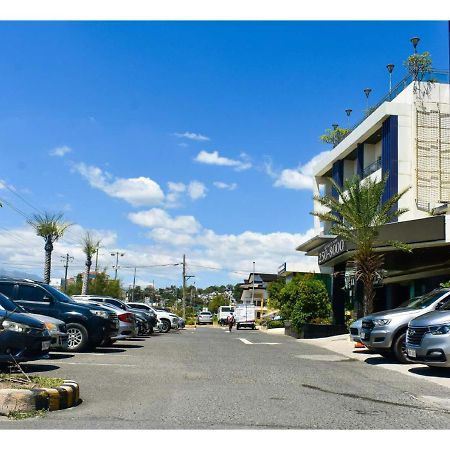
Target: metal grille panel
[[433, 158]]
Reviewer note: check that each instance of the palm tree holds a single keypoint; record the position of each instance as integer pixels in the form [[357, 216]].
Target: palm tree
[[90, 246], [51, 227], [357, 214]]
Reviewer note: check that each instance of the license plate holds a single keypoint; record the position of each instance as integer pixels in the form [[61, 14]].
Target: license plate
[[46, 345], [411, 352], [362, 334]]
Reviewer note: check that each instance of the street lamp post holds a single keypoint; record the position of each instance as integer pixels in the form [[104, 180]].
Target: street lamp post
[[348, 111], [335, 126], [367, 92], [414, 41], [116, 254], [390, 68]]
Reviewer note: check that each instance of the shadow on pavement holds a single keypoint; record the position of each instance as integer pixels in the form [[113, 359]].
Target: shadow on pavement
[[136, 339], [116, 349], [377, 360], [440, 372], [29, 367], [127, 346], [60, 355]]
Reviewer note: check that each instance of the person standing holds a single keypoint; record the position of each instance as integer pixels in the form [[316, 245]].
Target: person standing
[[230, 320]]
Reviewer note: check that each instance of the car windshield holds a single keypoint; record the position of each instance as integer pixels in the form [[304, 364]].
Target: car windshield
[[9, 305], [424, 301], [58, 294]]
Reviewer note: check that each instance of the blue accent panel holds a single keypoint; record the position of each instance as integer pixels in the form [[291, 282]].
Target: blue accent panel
[[360, 160], [389, 156], [337, 175]]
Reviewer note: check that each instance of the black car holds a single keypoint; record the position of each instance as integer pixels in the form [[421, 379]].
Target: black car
[[22, 338], [148, 316], [86, 326]]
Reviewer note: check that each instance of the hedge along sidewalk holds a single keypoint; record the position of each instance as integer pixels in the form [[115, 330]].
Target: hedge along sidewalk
[[51, 399]]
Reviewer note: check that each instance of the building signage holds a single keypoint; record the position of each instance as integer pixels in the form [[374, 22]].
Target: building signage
[[332, 249]]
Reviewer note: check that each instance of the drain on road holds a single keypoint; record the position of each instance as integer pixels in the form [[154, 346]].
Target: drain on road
[[327, 358]]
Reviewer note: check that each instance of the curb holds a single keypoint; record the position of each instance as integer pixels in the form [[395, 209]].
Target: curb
[[24, 400]]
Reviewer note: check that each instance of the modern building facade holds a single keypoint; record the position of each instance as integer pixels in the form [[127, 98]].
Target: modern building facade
[[407, 136]]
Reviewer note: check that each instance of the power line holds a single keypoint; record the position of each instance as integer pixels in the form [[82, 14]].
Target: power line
[[20, 196]]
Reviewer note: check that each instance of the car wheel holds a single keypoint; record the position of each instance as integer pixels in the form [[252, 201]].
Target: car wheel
[[399, 349], [150, 330], [77, 337], [165, 326]]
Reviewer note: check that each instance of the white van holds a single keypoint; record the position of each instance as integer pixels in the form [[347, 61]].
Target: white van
[[222, 314]]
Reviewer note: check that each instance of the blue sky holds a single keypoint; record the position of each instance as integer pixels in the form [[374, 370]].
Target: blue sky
[[131, 107]]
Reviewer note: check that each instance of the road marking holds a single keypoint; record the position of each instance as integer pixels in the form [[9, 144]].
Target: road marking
[[93, 364], [246, 341]]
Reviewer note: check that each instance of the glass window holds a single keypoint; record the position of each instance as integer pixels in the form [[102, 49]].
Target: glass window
[[32, 293], [115, 303], [7, 289], [426, 300]]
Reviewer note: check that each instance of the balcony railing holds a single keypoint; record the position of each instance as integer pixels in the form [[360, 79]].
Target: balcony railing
[[436, 75], [371, 168]]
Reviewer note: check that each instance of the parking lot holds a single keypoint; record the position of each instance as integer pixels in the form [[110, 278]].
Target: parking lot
[[207, 378]]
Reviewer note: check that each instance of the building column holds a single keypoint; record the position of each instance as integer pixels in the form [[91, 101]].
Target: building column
[[339, 294], [389, 156], [360, 160]]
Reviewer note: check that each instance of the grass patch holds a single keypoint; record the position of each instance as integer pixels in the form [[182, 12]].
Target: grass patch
[[19, 381], [19, 415]]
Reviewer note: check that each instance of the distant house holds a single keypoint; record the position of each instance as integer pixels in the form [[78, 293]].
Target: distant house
[[255, 290]]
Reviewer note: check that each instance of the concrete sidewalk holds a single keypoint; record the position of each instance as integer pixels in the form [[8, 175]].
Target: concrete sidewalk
[[344, 346]]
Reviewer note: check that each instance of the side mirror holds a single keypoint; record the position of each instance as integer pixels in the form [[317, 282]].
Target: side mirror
[[440, 304], [47, 298]]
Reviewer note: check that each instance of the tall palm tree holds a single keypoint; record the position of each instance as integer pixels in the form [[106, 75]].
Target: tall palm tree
[[356, 216], [51, 227], [90, 246]]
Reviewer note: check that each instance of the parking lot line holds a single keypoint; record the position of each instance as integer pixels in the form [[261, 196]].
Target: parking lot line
[[93, 364]]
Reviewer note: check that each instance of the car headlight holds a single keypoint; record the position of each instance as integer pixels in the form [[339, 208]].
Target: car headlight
[[380, 322], [99, 313], [51, 326], [9, 325], [440, 329]]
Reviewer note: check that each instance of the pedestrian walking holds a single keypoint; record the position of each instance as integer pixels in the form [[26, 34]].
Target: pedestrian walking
[[230, 320]]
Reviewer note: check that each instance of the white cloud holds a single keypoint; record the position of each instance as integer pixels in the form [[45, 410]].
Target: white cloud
[[227, 252], [227, 186], [141, 191], [193, 136], [158, 218], [196, 190], [176, 187], [213, 158], [298, 178], [60, 151]]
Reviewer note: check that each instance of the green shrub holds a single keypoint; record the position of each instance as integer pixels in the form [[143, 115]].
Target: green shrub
[[190, 321], [312, 303], [275, 324]]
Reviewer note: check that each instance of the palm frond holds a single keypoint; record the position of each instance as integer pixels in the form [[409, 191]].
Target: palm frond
[[49, 225]]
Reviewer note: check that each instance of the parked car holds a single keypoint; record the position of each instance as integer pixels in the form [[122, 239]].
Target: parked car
[[355, 329], [56, 328], [22, 338], [87, 326], [168, 320], [145, 325], [385, 331], [127, 321], [428, 338], [204, 317]]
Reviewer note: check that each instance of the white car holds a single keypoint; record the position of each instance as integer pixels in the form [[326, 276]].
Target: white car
[[167, 319]]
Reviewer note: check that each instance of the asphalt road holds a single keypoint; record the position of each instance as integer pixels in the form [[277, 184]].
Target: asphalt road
[[206, 378]]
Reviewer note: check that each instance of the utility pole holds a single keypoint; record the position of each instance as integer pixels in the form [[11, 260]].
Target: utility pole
[[116, 254], [134, 285], [66, 259], [253, 284], [184, 287], [96, 260], [185, 277]]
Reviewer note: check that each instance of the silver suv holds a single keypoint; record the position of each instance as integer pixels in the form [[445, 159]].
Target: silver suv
[[428, 338], [385, 331]]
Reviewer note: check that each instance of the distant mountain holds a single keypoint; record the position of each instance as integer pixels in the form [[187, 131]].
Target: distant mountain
[[19, 274]]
